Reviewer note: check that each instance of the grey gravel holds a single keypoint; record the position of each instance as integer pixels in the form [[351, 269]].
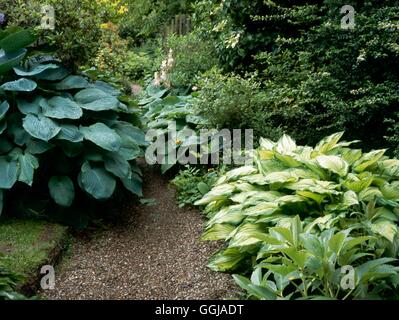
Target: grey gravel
[[156, 254]]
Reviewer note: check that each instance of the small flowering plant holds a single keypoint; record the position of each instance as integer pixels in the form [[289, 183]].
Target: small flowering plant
[[161, 77]]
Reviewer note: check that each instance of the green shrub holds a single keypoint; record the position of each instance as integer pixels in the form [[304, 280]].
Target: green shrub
[[146, 18], [318, 77], [192, 56], [75, 39], [59, 131], [234, 102], [114, 59], [299, 214]]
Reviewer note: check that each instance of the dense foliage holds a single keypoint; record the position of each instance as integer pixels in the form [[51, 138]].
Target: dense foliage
[[72, 131], [318, 77], [298, 215], [77, 30], [193, 183]]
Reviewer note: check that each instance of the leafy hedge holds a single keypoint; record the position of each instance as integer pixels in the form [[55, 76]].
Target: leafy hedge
[[72, 131], [298, 215], [317, 78]]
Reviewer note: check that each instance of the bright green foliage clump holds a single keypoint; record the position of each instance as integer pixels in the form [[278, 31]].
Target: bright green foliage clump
[[300, 214], [193, 183], [73, 131]]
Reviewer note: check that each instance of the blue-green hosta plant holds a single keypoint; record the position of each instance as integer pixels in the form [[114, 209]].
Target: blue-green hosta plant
[[299, 214], [62, 128], [166, 114]]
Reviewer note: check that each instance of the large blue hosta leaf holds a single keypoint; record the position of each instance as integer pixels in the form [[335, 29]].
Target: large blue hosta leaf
[[53, 74], [4, 106], [72, 82], [96, 100], [102, 136], [117, 165], [27, 163], [26, 107], [22, 85], [41, 127], [62, 190], [70, 133], [133, 184], [96, 182], [8, 173], [61, 108], [1, 201], [3, 126], [107, 88], [38, 69]]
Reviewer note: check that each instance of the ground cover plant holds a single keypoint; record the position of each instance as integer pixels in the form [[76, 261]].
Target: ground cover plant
[[298, 215]]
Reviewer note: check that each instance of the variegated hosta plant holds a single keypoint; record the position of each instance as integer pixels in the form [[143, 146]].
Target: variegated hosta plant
[[298, 214], [75, 132]]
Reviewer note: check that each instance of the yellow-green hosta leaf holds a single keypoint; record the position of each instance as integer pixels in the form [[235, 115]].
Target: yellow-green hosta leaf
[[245, 186], [317, 186], [265, 208], [311, 195], [328, 143], [249, 234], [218, 232], [386, 229], [228, 215], [370, 194], [354, 183], [258, 179], [387, 214], [239, 172], [280, 177], [263, 196], [334, 164], [351, 155], [226, 260], [389, 167], [266, 144], [368, 159], [391, 191], [289, 161], [350, 199], [285, 145], [217, 193], [321, 222]]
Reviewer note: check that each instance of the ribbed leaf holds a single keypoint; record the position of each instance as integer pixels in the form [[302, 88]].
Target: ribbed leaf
[[40, 127], [38, 69], [72, 82], [97, 182], [61, 108], [23, 85], [27, 163], [102, 136], [62, 190], [70, 133], [8, 173]]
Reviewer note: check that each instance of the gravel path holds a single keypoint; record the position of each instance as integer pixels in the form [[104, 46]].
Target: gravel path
[[157, 254]]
